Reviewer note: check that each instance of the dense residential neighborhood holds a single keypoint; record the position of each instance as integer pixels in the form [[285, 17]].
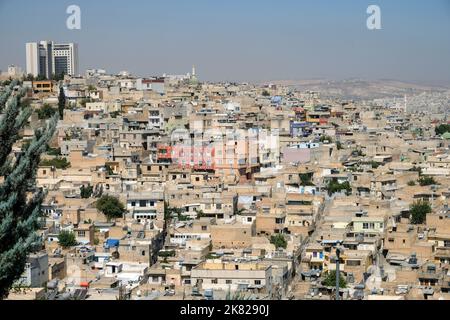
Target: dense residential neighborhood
[[169, 187]]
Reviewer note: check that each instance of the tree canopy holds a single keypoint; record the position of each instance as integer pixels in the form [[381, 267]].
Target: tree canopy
[[46, 111], [427, 181], [20, 199], [86, 192], [110, 206], [67, 239], [419, 211], [442, 128], [330, 280], [61, 102], [58, 163], [279, 241]]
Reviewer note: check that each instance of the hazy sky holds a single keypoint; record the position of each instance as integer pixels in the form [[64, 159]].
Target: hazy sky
[[242, 40]]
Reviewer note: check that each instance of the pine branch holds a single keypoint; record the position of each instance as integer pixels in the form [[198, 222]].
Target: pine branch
[[20, 205]]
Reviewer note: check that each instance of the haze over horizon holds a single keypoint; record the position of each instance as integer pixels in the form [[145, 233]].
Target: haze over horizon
[[253, 41]]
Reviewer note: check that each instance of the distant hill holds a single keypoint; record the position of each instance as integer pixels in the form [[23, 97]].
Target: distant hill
[[357, 89]]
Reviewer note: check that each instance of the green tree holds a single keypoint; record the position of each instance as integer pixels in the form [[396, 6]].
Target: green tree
[[86, 192], [20, 199], [110, 206], [58, 163], [279, 241], [67, 239], [427, 181], [374, 164], [265, 93], [334, 186], [61, 102], [326, 138], [442, 128], [200, 214], [306, 179], [53, 151], [330, 280], [419, 211], [58, 77], [166, 253], [109, 170], [46, 111]]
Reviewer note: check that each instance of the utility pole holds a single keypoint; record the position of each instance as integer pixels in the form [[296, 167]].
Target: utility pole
[[338, 274]]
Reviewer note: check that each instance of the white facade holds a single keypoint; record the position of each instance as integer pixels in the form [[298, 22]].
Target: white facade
[[47, 58], [14, 71], [32, 57], [65, 58]]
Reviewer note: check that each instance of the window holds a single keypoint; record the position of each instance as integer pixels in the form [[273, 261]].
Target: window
[[214, 281], [228, 281], [197, 179], [353, 263], [314, 254], [371, 225], [365, 225], [257, 282], [249, 219], [142, 203], [143, 252], [219, 206], [204, 228], [81, 233]]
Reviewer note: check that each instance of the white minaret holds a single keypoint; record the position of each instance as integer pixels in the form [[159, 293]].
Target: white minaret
[[193, 70], [405, 104]]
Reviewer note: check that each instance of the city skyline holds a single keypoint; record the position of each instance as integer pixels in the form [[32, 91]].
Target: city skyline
[[243, 41], [176, 151]]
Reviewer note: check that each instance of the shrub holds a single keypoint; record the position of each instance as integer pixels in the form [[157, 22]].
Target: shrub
[[427, 181]]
